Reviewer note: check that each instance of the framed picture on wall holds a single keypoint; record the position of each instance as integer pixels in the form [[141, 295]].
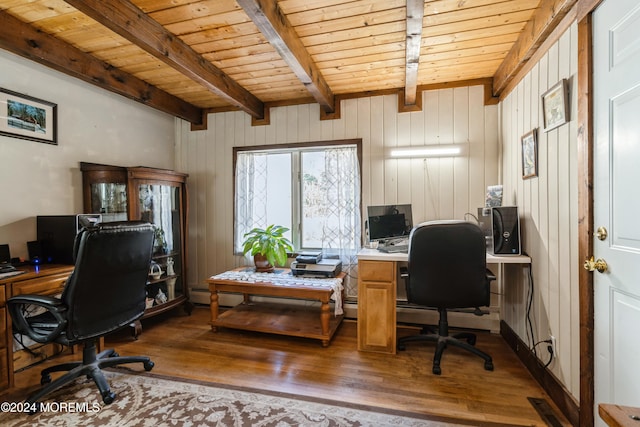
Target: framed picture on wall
[[529, 155], [555, 106], [25, 117]]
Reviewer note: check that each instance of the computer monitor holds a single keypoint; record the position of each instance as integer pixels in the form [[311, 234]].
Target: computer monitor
[[389, 222], [5, 254], [56, 235]]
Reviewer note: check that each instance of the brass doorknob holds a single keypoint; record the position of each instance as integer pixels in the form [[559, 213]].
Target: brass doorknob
[[601, 233], [599, 264]]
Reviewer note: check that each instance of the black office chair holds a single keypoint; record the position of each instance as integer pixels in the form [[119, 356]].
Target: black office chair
[[105, 292], [447, 270]]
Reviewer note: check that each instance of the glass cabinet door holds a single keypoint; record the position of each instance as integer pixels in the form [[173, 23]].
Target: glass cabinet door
[[160, 204], [105, 191], [153, 195], [110, 200]]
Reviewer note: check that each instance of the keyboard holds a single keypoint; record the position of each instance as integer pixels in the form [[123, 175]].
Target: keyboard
[[11, 273], [394, 249], [5, 267]]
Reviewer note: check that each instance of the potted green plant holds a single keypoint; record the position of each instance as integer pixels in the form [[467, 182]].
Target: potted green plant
[[268, 246]]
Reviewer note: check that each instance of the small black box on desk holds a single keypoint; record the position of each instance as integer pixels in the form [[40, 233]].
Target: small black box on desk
[[309, 257]]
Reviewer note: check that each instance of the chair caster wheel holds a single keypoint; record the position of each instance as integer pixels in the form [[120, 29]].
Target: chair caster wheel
[[45, 379], [401, 347], [114, 354], [471, 340], [488, 366], [436, 370], [109, 398], [149, 365]]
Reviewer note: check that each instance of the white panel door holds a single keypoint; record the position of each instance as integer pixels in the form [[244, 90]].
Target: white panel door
[[617, 204]]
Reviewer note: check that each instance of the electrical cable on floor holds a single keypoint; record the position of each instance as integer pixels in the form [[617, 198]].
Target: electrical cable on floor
[[28, 310], [549, 349], [41, 356], [36, 352], [530, 332], [19, 339]]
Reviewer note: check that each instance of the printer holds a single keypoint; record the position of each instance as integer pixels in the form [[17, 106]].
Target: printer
[[323, 268]]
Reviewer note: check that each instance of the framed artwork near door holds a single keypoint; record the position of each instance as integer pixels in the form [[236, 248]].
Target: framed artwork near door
[[26, 117], [554, 106], [529, 155]]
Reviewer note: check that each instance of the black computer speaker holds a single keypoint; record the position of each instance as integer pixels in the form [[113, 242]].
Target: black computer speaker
[[35, 252]]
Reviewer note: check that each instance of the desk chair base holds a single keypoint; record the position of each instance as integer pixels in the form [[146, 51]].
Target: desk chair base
[[442, 338], [91, 366]]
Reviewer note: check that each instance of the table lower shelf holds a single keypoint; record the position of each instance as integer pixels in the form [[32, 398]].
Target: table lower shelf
[[282, 319]]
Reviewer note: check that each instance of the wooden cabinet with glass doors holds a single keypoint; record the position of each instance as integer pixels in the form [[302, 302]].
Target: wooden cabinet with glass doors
[[159, 197]]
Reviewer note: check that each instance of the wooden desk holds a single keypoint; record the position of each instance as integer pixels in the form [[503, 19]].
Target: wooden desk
[[377, 282], [285, 319], [43, 280], [619, 416]]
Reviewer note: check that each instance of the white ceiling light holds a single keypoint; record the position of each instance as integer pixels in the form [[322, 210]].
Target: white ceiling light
[[451, 150]]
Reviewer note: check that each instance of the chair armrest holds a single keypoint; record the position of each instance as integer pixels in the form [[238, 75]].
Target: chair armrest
[[40, 300], [490, 275], [20, 321]]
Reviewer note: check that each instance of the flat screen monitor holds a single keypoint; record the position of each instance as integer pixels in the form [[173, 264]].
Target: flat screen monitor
[[56, 235], [389, 221], [5, 254]]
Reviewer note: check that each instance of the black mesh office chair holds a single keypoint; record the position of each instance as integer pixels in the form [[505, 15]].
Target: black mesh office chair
[[447, 270], [105, 292]]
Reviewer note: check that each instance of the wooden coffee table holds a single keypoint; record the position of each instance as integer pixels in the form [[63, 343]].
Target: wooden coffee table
[[277, 318]]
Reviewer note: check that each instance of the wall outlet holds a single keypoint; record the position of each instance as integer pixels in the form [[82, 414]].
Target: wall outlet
[[554, 347]]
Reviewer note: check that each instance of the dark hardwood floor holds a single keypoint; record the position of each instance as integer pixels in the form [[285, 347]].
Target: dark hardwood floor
[[184, 346]]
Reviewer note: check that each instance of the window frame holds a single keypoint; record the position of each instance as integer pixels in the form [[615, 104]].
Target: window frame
[[295, 149]]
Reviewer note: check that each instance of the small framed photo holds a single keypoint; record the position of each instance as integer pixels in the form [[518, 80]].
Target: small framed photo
[[529, 155], [555, 106], [25, 117]]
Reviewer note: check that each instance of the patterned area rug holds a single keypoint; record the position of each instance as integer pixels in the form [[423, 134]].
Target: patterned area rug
[[150, 400]]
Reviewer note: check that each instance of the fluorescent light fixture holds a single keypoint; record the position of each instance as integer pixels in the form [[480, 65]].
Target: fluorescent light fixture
[[450, 150]]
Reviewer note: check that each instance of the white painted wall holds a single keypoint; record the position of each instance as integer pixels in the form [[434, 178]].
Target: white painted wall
[[437, 188], [93, 126], [548, 207]]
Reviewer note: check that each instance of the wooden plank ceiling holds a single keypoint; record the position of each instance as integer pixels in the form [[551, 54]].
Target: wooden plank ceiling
[[188, 57]]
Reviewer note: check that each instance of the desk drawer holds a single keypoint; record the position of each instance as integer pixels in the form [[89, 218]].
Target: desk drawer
[[3, 327], [4, 371], [377, 271], [3, 298], [48, 285]]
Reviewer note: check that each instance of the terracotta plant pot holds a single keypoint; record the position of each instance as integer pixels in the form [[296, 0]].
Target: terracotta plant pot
[[262, 264]]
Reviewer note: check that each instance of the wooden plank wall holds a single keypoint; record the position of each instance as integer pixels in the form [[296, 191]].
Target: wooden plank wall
[[437, 188], [548, 208]]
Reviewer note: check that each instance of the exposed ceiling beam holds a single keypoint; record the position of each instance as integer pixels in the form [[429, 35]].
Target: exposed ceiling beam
[[546, 17], [415, 13], [26, 41], [127, 20], [275, 27]]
